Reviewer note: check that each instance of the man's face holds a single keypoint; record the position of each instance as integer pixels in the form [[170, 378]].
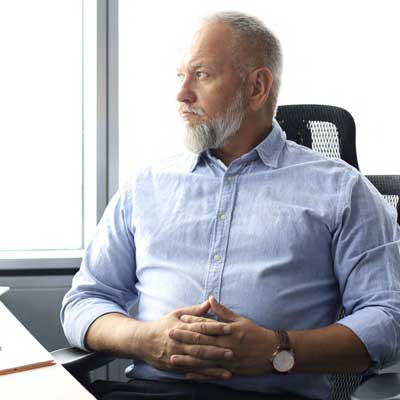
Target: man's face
[[211, 100]]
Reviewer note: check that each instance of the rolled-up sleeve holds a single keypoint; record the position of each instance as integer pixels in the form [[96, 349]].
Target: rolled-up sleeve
[[106, 280], [366, 251]]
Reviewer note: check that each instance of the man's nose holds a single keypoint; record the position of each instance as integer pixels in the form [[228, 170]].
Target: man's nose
[[186, 94]]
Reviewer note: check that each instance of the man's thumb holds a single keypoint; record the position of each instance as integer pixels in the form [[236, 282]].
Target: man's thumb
[[197, 309], [225, 314]]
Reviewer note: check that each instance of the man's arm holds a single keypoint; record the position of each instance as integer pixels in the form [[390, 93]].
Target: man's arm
[[333, 349]]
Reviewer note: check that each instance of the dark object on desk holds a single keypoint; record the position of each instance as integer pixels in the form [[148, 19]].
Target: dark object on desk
[[330, 131]]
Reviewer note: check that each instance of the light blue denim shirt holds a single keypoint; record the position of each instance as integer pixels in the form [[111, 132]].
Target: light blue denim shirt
[[282, 236]]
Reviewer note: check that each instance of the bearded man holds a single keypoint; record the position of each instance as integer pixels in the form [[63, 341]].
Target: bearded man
[[236, 269]]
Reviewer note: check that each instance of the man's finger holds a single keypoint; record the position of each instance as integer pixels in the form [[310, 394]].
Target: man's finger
[[224, 313], [207, 328], [200, 367], [181, 360], [189, 337], [208, 352], [195, 338], [191, 319], [197, 309], [198, 377]]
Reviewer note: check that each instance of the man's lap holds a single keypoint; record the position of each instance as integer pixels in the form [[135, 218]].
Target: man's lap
[[139, 389]]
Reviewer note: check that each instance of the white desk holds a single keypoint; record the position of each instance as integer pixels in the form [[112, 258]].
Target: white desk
[[47, 383]]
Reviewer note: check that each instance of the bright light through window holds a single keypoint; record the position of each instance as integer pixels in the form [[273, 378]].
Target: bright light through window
[[41, 125], [341, 52]]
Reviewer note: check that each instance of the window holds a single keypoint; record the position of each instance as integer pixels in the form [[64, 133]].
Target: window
[[340, 53], [47, 139]]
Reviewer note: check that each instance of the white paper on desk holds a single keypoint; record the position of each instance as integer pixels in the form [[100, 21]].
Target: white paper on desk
[[19, 349], [4, 289]]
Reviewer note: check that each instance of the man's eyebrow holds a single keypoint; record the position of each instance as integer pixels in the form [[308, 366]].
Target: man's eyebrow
[[201, 65], [196, 66]]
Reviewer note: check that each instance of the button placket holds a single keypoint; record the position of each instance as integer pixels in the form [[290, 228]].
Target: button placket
[[220, 238]]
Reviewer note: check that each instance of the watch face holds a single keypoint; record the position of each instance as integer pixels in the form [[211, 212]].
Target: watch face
[[283, 361]]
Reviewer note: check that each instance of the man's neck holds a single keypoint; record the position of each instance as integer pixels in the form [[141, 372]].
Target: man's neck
[[240, 144]]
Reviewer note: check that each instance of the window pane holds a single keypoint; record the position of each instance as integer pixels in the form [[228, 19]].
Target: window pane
[[41, 125], [340, 53]]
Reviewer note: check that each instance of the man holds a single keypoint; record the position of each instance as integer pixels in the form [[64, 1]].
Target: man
[[235, 266]]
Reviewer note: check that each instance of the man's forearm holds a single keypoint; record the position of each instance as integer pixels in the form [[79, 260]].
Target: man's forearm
[[332, 349], [115, 333]]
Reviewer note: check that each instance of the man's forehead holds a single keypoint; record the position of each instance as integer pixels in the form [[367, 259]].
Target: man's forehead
[[212, 45], [196, 61]]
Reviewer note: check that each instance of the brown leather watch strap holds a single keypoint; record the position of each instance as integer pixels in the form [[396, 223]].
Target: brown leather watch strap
[[283, 340]]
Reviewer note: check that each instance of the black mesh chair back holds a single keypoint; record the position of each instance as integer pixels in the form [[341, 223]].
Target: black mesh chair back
[[389, 187], [328, 130], [331, 131]]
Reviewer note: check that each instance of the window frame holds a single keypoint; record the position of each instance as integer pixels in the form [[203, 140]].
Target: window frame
[[107, 162]]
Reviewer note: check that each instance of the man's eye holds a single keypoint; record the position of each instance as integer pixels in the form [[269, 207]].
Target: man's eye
[[201, 74], [181, 77]]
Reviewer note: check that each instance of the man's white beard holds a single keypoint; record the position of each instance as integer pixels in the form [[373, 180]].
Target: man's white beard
[[215, 133]]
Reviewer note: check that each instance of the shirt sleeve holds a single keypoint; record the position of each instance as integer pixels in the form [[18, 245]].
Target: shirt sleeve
[[366, 251], [106, 280]]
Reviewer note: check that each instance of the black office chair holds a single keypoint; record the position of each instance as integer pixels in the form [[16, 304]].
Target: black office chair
[[330, 131]]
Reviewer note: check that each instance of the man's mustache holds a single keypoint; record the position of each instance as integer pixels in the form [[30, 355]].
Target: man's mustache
[[194, 110]]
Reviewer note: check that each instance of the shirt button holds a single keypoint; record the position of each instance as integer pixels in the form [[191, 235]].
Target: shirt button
[[217, 257], [229, 179], [222, 216]]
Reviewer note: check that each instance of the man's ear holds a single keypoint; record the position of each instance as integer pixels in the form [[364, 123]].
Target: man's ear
[[260, 87]]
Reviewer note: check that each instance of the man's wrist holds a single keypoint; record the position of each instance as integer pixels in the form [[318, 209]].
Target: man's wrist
[[268, 347], [139, 338], [283, 358]]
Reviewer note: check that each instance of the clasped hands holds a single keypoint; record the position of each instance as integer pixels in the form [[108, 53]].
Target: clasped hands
[[201, 348]]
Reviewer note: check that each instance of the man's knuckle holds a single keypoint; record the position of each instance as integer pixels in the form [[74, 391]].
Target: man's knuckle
[[167, 366], [203, 328], [197, 337], [160, 354], [198, 352], [184, 325], [241, 336], [173, 348], [198, 363], [234, 369]]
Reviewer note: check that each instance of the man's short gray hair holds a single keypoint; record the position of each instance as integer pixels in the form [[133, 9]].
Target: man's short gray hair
[[256, 43]]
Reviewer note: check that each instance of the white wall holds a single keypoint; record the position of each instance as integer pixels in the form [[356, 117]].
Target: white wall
[[342, 52]]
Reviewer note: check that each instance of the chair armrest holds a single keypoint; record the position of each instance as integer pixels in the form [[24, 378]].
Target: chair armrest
[[395, 368], [77, 361], [379, 387]]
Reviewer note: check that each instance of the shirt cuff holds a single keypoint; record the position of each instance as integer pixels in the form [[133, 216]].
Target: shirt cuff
[[376, 331], [82, 314]]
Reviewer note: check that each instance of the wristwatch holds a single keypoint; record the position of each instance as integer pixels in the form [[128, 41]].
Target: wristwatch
[[283, 357]]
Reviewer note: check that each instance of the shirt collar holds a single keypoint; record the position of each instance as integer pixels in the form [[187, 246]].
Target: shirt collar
[[271, 147], [269, 150]]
